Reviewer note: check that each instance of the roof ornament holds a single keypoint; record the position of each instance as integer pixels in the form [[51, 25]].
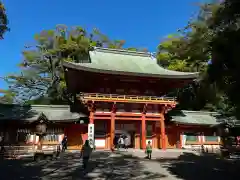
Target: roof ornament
[[153, 55]]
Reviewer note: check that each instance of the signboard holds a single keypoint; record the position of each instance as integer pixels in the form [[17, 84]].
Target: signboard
[[91, 135]]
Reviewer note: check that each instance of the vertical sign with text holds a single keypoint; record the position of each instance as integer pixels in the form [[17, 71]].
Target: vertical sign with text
[[91, 135]]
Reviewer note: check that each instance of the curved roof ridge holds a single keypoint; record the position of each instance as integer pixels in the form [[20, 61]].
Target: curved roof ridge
[[199, 112], [123, 51]]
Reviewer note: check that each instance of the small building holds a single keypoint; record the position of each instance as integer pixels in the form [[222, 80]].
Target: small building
[[19, 125], [196, 129]]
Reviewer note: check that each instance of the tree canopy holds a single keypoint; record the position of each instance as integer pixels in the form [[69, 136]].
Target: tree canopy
[[224, 45], [42, 77], [3, 20], [188, 50]]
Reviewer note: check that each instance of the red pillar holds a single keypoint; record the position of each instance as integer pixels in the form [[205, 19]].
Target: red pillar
[[181, 139], [137, 135], [91, 118], [163, 134], [143, 135], [154, 134], [178, 145], [91, 121], [112, 130]]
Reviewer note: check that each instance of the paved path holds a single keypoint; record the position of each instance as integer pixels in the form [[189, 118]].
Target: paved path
[[130, 165]]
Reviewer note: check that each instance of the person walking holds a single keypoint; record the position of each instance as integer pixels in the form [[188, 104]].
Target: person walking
[[120, 142], [126, 143], [149, 150], [115, 143], [64, 144], [85, 153]]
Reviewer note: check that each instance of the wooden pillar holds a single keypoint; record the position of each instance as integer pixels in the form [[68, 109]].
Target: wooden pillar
[[163, 134], [137, 137], [112, 130], [91, 118], [179, 137], [154, 134], [143, 132]]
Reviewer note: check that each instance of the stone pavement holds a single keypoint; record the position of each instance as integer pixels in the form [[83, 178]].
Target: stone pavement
[[168, 165]]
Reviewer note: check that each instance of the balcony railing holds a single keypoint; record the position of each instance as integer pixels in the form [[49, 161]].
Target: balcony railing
[[126, 98]]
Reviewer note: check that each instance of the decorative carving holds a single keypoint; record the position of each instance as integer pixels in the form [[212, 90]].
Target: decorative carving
[[114, 108], [144, 109], [41, 128]]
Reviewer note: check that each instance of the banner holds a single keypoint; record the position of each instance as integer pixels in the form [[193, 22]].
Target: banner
[[91, 135]]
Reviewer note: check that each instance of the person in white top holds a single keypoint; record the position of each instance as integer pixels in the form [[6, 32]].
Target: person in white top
[[120, 142]]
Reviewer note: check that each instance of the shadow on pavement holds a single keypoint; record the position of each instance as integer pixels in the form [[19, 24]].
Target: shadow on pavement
[[68, 166], [189, 166], [102, 165], [124, 167]]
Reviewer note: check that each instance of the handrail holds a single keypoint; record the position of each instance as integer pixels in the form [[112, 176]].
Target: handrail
[[126, 97]]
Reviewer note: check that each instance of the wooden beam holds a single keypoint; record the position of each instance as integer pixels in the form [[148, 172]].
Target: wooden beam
[[127, 114], [126, 118], [132, 101]]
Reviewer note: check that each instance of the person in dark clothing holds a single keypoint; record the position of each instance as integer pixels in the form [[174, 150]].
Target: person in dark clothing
[[85, 153], [2, 149], [126, 143], [64, 143], [115, 141]]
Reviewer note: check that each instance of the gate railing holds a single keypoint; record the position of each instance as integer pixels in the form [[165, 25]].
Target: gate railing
[[127, 98]]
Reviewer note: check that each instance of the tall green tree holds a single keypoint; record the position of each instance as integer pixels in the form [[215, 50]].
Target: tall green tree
[[3, 20], [225, 67], [42, 77], [188, 50]]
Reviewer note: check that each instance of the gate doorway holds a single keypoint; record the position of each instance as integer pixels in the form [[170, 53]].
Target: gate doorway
[[129, 135]]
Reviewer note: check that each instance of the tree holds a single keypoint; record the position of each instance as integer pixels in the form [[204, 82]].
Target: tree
[[188, 51], [3, 20], [42, 77], [225, 44], [7, 98]]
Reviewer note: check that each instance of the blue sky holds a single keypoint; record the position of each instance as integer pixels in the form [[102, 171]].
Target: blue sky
[[141, 23]]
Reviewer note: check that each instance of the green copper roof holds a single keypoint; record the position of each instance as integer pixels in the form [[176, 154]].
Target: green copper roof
[[116, 61], [33, 112], [196, 118]]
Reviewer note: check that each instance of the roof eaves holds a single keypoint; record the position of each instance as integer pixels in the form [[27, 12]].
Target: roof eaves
[[194, 124], [200, 112], [80, 66]]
